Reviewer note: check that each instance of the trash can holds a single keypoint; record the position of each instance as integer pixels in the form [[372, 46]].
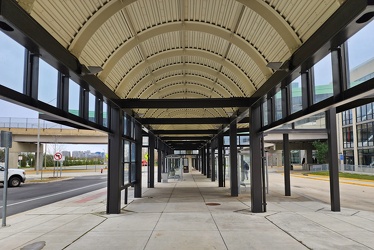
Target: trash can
[[164, 177]]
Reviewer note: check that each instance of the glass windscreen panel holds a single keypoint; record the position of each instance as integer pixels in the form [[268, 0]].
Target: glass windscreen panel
[[12, 61], [104, 115], [126, 163], [317, 121], [265, 113], [361, 56], [323, 87], [74, 97], [296, 95], [278, 105], [91, 107], [47, 90]]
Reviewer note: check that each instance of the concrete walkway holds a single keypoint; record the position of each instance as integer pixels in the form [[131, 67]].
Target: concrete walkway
[[189, 214]]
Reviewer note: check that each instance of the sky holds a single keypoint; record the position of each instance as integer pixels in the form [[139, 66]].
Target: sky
[[10, 110]]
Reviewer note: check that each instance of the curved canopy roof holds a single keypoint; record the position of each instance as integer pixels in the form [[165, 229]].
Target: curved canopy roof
[[180, 49]]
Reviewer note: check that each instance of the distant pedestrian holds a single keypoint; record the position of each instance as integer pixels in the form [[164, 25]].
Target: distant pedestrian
[[245, 170]]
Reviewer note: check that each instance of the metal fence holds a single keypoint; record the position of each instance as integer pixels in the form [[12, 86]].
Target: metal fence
[[364, 169], [357, 168], [29, 123]]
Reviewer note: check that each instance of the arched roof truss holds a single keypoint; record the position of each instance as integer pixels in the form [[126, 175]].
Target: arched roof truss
[[178, 49]]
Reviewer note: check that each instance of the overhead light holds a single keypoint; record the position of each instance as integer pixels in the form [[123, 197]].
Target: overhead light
[[281, 66], [91, 70]]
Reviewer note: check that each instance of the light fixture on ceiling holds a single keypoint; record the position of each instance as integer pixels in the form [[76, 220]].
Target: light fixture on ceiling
[[279, 66], [90, 70]]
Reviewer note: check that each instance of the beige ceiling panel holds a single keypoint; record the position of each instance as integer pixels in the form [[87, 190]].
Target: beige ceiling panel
[[170, 85], [184, 127], [276, 20], [223, 13], [230, 86], [161, 43], [239, 75], [146, 14], [51, 14], [113, 32], [94, 22], [134, 57], [304, 15], [193, 82], [202, 60], [211, 112], [172, 27], [207, 42]]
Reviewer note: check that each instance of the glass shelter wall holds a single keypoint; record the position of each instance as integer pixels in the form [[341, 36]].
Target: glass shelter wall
[[12, 61]]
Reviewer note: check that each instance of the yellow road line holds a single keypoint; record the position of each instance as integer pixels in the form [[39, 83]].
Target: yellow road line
[[341, 181]]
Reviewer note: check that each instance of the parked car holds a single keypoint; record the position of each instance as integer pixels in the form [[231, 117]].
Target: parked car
[[144, 163], [15, 176]]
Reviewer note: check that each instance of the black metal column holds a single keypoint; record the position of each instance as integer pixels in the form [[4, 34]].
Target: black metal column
[[63, 92], [287, 165], [333, 159], [138, 155], [208, 172], [115, 150], [160, 147], [31, 83], [221, 177], [151, 161], [213, 161], [256, 161], [203, 161], [234, 184]]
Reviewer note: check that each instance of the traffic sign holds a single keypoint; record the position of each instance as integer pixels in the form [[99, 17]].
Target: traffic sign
[[57, 156]]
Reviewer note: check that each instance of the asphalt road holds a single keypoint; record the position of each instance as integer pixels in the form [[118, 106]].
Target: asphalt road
[[353, 194], [33, 195]]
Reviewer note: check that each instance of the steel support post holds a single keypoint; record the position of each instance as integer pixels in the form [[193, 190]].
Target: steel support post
[[333, 159], [221, 176], [234, 184], [287, 165], [256, 161], [138, 156], [115, 150], [208, 172], [151, 161], [203, 161], [213, 161], [160, 147], [31, 85], [63, 92]]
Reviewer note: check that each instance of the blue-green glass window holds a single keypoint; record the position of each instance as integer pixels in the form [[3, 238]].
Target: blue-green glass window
[[265, 113], [12, 61], [361, 55], [74, 90], [126, 164], [105, 114], [278, 105], [91, 107], [296, 95], [323, 87], [47, 89]]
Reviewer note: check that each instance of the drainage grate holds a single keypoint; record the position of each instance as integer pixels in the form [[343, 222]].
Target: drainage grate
[[212, 204]]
